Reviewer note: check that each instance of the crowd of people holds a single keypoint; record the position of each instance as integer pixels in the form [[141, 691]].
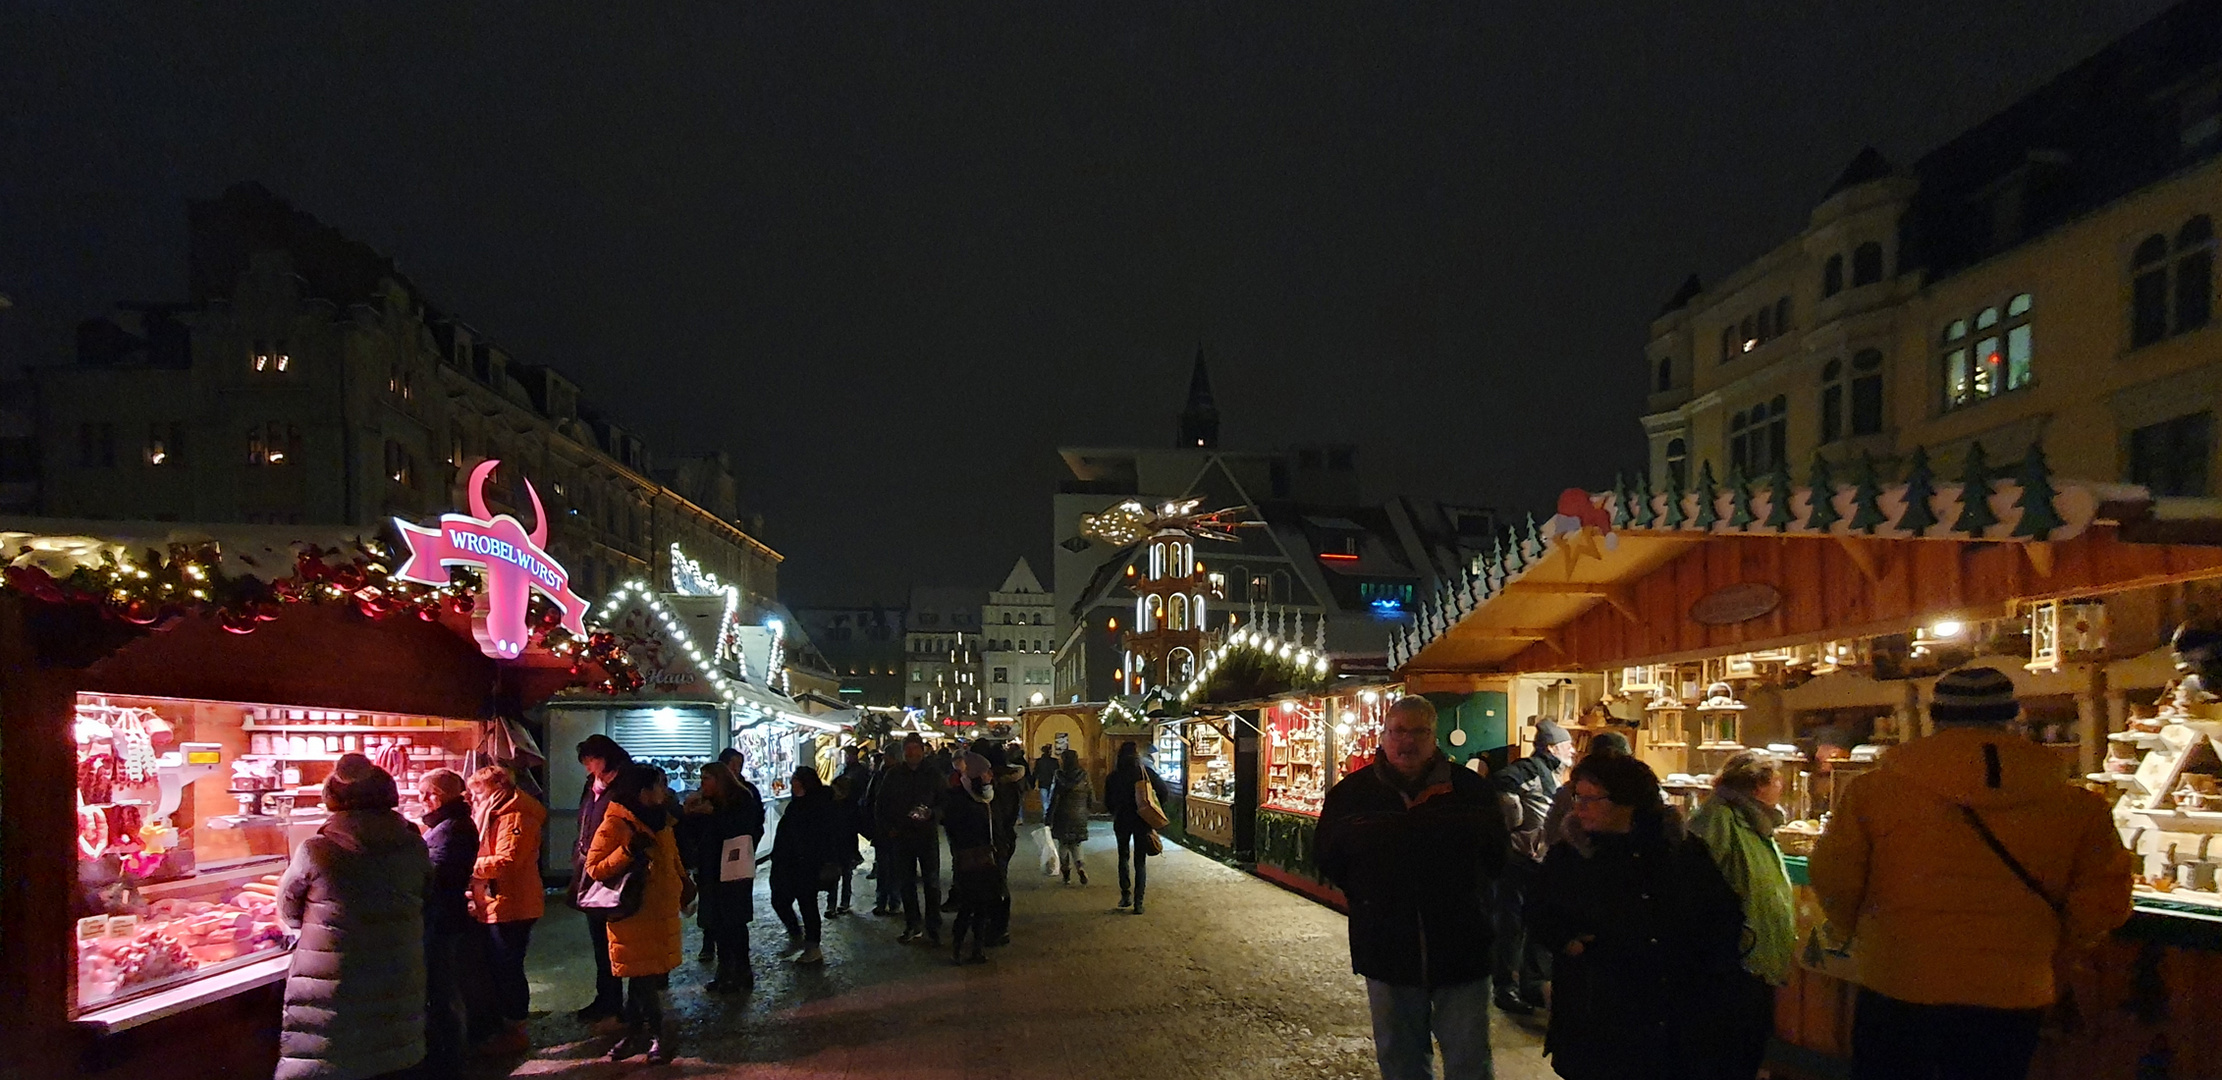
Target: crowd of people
[[1959, 873], [387, 909]]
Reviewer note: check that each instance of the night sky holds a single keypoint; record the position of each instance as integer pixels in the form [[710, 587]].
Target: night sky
[[891, 255]]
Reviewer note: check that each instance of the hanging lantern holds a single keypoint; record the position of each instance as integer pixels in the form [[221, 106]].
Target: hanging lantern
[[2066, 632]]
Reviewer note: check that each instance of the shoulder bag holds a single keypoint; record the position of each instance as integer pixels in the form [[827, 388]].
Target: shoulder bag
[[618, 900], [2065, 1014], [1145, 804]]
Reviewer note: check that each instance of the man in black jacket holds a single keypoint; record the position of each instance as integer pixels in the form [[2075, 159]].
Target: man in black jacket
[[603, 760], [906, 809], [1524, 790], [1415, 843]]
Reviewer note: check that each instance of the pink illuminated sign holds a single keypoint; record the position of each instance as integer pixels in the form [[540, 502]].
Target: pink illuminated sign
[[514, 563]]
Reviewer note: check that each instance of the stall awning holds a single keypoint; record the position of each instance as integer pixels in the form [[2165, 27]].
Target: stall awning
[[1622, 578]]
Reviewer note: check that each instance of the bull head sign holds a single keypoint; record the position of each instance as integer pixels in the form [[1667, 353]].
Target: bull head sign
[[515, 565]]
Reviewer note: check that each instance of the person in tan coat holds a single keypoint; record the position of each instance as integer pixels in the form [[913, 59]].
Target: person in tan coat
[[1962, 868], [644, 946], [506, 895]]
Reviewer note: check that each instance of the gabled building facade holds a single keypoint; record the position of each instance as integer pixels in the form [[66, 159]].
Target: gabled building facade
[[1018, 637]]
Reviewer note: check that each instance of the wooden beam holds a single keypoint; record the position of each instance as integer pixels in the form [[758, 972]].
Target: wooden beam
[[1621, 597], [1856, 550]]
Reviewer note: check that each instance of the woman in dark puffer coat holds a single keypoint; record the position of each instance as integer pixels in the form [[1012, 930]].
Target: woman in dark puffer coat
[[354, 1000], [1644, 930]]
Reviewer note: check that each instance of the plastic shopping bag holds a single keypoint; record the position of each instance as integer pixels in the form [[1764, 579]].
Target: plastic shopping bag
[[1048, 845]]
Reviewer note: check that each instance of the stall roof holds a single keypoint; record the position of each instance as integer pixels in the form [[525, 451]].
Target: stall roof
[[265, 552], [1607, 582]]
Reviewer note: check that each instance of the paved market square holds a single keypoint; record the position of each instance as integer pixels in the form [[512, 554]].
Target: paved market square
[[1227, 977]]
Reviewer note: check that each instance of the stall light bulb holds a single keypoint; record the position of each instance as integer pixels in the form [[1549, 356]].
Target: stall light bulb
[[1946, 629]]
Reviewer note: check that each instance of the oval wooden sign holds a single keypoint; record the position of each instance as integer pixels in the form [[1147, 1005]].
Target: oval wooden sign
[[1741, 602]]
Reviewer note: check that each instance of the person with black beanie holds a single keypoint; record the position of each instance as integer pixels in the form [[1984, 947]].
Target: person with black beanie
[[604, 760]]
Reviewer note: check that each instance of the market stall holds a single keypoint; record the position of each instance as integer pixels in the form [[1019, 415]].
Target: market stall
[[176, 695], [160, 771], [1814, 626]]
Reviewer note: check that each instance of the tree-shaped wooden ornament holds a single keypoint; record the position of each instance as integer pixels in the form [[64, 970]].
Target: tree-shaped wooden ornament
[[1739, 499], [2038, 518], [1708, 499], [1921, 487], [1976, 515], [1673, 518], [1821, 513], [1867, 499], [1639, 501], [1779, 494]]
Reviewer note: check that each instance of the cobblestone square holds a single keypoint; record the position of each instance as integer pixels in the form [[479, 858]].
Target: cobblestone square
[[1226, 976]]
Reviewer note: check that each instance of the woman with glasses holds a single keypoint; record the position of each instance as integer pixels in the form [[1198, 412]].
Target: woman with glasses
[[1644, 931]]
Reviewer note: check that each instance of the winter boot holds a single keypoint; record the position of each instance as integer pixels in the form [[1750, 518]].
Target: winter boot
[[634, 1043], [1126, 900]]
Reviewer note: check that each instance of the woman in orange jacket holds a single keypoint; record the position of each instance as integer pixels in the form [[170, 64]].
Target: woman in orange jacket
[[506, 895], [644, 946]]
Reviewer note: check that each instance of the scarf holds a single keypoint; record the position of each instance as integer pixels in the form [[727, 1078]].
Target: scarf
[[1762, 818]]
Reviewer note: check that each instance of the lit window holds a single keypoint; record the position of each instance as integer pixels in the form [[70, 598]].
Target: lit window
[[2001, 358], [164, 443]]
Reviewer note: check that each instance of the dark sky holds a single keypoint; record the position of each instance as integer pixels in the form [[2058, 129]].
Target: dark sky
[[892, 254]]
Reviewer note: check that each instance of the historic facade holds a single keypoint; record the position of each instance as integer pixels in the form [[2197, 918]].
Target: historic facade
[[2044, 280], [305, 380], [1018, 634]]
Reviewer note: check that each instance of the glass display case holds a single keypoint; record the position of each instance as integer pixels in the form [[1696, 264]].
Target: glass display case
[[1295, 743], [187, 812], [1210, 762], [1169, 754], [1358, 721]]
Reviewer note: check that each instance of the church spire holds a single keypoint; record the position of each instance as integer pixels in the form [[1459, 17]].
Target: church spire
[[1199, 421]]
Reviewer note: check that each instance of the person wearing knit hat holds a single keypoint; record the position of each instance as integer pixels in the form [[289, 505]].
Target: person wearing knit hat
[[1960, 868], [355, 995], [1526, 788]]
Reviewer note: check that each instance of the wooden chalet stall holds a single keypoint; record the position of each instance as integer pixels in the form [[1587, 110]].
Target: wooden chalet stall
[[174, 697], [1729, 618]]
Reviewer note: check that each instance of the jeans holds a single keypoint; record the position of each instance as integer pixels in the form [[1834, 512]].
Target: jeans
[[1141, 880], [1068, 858], [506, 943], [443, 1006], [609, 990], [785, 897], [918, 867], [1899, 1040], [1521, 965], [1456, 1016]]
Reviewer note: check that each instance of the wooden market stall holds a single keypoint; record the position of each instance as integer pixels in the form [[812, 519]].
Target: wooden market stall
[[170, 711], [1814, 626]]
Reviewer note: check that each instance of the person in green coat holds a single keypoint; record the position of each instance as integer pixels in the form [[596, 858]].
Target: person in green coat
[[1737, 824]]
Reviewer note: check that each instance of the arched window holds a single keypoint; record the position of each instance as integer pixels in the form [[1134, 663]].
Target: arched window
[[1728, 343], [1666, 375], [1867, 392], [2148, 303], [2000, 358], [1677, 463], [1747, 333], [1037, 618], [1782, 315], [1238, 583], [1759, 437], [1766, 330], [1282, 594], [1198, 611], [1180, 666], [1179, 620], [1832, 276], [1006, 618], [1154, 613], [2194, 274], [1832, 401], [1867, 264]]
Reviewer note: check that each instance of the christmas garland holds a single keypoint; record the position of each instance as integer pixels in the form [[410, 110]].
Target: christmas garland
[[162, 587], [1248, 670]]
